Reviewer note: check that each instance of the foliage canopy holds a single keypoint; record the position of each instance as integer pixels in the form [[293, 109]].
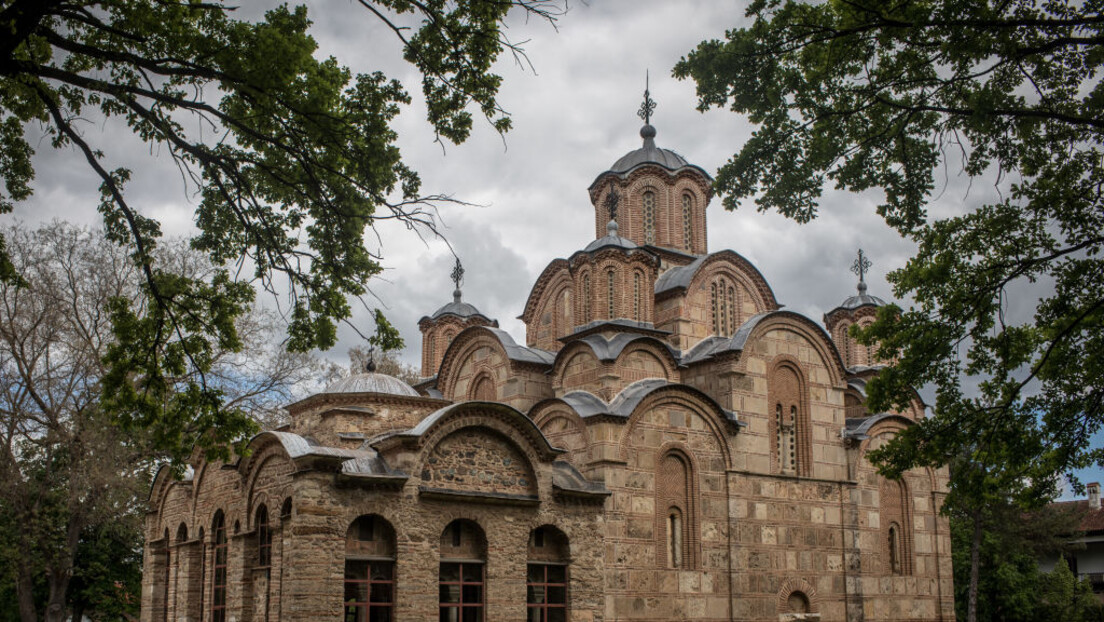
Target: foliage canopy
[[292, 155], [874, 95]]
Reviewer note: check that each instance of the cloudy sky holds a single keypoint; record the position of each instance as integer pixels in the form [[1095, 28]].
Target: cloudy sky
[[574, 115]]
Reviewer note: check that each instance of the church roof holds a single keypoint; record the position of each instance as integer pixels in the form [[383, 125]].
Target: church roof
[[611, 239], [649, 153], [863, 299], [371, 382], [458, 308]]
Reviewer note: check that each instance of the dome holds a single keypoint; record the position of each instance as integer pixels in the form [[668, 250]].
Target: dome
[[862, 300], [611, 239], [459, 308], [649, 154], [854, 302], [371, 382]]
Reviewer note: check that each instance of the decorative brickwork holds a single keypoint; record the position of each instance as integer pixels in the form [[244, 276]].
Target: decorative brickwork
[[791, 451]]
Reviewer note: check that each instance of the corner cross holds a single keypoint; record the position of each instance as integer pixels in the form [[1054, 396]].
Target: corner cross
[[611, 202], [458, 274], [861, 265], [649, 105]]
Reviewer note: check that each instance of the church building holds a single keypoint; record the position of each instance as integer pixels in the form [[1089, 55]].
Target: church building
[[666, 442]]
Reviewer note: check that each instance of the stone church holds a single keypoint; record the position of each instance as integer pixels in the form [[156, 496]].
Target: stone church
[[667, 443]]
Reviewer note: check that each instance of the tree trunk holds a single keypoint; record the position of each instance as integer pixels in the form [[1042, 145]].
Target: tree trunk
[[25, 590], [59, 585], [975, 558]]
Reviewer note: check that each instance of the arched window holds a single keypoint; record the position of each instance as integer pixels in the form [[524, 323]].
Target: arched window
[[546, 575], [798, 602], [568, 314], [636, 296], [894, 511], [792, 451], [586, 298], [649, 217], [264, 538], [610, 277], [182, 534], [483, 389], [731, 310], [218, 582], [894, 544], [369, 570], [285, 510], [716, 309], [463, 554], [675, 512], [431, 355], [687, 221]]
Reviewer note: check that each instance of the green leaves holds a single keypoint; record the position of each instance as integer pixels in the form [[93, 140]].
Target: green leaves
[[293, 158], [1006, 319]]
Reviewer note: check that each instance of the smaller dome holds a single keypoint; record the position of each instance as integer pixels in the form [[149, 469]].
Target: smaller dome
[[370, 382], [611, 239], [459, 308], [854, 302], [862, 300]]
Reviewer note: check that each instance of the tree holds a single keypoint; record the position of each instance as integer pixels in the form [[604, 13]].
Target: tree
[[1064, 597], [71, 482], [292, 156], [874, 95]]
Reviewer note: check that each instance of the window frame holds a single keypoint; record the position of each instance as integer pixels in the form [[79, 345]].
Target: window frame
[[545, 606]]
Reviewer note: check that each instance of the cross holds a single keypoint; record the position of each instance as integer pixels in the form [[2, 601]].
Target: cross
[[649, 105], [861, 265], [611, 202], [458, 274]]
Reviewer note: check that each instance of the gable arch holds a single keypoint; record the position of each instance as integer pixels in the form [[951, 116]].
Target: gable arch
[[731, 264], [554, 276], [690, 398], [466, 343], [810, 331], [654, 349]]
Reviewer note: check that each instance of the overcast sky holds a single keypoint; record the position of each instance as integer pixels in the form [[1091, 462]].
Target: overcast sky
[[574, 114]]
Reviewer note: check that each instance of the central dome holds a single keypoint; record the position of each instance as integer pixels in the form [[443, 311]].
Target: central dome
[[649, 154]]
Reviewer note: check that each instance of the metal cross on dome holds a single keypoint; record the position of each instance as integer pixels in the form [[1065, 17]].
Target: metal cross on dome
[[611, 202], [458, 273], [649, 105], [861, 265]]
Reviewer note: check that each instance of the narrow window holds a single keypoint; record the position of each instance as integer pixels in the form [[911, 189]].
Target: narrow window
[[431, 358], [731, 310], [674, 538], [546, 575], [586, 298], [716, 314], [461, 577], [894, 550], [609, 294], [636, 296], [218, 584], [264, 538], [369, 570], [649, 217], [676, 525], [793, 435], [779, 426], [722, 312], [687, 221]]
